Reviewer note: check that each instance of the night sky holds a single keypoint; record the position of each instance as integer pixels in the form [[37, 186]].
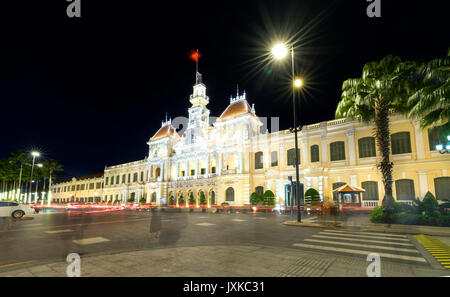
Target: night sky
[[90, 92]]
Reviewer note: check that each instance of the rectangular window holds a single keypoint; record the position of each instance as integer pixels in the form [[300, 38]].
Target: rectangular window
[[337, 151], [98, 185], [182, 172], [258, 160], [202, 171], [401, 143], [291, 156], [117, 179], [73, 188], [213, 169], [274, 158], [314, 153], [371, 192], [91, 186], [78, 187], [404, 189], [142, 176], [366, 147], [135, 177], [192, 172], [123, 179], [436, 135], [106, 181]]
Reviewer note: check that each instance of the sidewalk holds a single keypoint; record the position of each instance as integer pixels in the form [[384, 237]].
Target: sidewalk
[[361, 223], [224, 261]]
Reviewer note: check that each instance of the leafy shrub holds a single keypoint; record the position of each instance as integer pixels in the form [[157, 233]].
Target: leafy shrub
[[143, 200], [378, 215], [202, 199], [172, 200], [429, 205], [256, 199], [181, 200], [312, 197], [191, 198], [269, 198]]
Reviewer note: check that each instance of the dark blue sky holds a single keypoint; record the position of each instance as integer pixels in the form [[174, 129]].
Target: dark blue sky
[[91, 91]]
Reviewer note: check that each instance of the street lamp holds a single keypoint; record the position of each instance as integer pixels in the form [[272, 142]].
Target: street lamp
[[280, 51], [34, 154], [440, 147]]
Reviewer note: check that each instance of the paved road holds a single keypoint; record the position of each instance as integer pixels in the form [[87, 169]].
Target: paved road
[[51, 236]]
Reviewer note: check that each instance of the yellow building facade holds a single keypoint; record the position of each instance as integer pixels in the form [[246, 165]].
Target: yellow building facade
[[229, 159]]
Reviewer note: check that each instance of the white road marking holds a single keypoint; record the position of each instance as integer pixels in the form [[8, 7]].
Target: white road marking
[[260, 218], [205, 224], [363, 236], [34, 224], [202, 217], [59, 231], [359, 252], [364, 240], [364, 245], [238, 220], [91, 240], [368, 233]]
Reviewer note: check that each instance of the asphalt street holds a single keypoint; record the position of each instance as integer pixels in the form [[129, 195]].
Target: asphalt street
[[52, 235]]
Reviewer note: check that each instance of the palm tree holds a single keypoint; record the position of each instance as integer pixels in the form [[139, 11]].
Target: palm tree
[[431, 102], [52, 166], [20, 157], [383, 88]]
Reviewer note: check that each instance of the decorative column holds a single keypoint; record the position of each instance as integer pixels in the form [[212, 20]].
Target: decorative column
[[196, 167], [240, 162], [423, 183], [324, 147], [418, 137], [281, 154], [177, 173], [219, 164], [321, 187]]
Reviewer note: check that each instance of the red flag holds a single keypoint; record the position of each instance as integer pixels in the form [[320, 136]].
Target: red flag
[[194, 55]]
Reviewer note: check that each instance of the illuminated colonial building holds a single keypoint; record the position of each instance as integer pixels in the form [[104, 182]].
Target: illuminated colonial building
[[232, 158]]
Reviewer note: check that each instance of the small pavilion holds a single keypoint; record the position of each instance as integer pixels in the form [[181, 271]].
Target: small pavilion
[[348, 195]]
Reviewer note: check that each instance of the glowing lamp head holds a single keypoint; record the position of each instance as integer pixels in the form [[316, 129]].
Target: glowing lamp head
[[298, 83], [279, 51], [39, 165], [439, 147], [35, 154]]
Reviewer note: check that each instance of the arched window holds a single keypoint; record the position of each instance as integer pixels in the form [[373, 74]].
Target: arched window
[[157, 172], [404, 189], [337, 151], [371, 192], [274, 158], [259, 160], [291, 156], [366, 147], [229, 194], [259, 190], [401, 143], [154, 197], [315, 153], [442, 188]]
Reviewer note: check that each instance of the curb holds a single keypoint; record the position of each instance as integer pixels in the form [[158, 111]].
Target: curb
[[409, 229]]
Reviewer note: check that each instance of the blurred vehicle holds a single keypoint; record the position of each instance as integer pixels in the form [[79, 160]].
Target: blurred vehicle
[[14, 209]]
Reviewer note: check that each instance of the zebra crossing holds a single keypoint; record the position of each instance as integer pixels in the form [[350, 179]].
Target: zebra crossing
[[391, 246]]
